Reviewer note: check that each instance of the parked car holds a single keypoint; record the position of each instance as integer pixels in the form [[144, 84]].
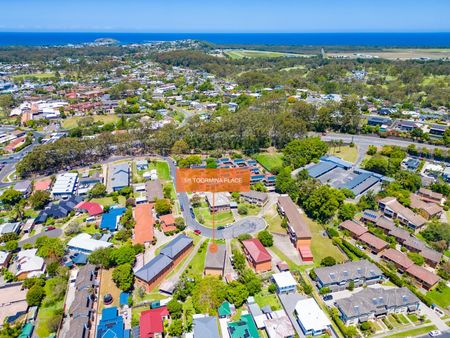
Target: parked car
[[50, 228], [220, 227], [327, 297], [197, 232], [434, 333]]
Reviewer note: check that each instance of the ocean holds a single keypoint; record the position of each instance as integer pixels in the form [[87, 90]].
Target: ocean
[[311, 39]]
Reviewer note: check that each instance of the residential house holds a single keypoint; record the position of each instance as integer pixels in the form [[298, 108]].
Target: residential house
[[43, 185], [24, 187], [215, 261], [257, 255], [426, 209], [354, 228], [279, 327], [217, 202], [375, 244], [311, 318], [143, 229], [112, 324], [437, 130], [84, 243], [430, 196], [393, 209], [338, 277], [65, 185], [92, 208], [226, 310], [255, 197], [59, 209], [151, 323], [120, 176], [13, 302], [244, 327], [28, 264], [205, 327], [423, 277], [110, 220], [141, 165], [4, 259], [167, 223], [284, 282], [8, 228], [298, 229], [400, 260], [152, 273], [371, 303]]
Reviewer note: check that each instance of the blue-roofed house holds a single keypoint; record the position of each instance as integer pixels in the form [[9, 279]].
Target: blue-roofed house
[[112, 325], [411, 164], [337, 161], [120, 176], [321, 168], [378, 120], [110, 220], [206, 327]]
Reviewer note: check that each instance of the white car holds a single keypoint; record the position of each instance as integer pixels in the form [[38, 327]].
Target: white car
[[434, 333]]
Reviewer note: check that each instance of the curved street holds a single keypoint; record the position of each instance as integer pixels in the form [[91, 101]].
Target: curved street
[[250, 224]]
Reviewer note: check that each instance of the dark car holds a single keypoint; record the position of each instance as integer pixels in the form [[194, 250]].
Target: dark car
[[221, 227], [327, 297]]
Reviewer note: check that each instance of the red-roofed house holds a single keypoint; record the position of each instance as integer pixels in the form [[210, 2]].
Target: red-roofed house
[[143, 230], [167, 223], [42, 185], [92, 208], [14, 144], [257, 255], [151, 323], [424, 278]]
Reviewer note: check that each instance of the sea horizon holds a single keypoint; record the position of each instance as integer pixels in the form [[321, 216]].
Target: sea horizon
[[372, 39]]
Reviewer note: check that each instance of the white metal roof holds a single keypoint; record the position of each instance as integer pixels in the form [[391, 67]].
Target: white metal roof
[[284, 279], [310, 315]]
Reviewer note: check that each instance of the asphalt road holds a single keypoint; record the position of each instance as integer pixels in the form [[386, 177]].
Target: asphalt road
[[244, 226], [365, 140]]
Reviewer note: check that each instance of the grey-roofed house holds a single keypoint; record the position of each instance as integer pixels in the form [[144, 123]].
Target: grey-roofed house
[[337, 277], [206, 327], [24, 187], [175, 249], [154, 190], [371, 303], [215, 261], [255, 197], [218, 202], [120, 176], [153, 272]]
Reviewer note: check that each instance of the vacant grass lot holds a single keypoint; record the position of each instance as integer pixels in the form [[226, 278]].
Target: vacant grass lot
[[347, 153], [441, 299], [197, 264], [220, 218], [322, 246], [244, 53], [265, 298], [270, 160], [72, 122], [108, 201], [107, 286], [39, 76], [44, 314], [274, 220]]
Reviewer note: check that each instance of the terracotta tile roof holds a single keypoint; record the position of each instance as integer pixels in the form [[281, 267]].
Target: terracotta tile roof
[[143, 230], [354, 227], [423, 274], [373, 241], [398, 257], [296, 220], [256, 250], [92, 208], [152, 322], [42, 185]]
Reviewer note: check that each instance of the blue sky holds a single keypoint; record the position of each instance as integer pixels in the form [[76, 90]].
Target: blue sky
[[225, 16]]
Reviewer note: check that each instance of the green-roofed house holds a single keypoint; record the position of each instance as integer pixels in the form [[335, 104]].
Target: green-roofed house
[[245, 327], [27, 331], [226, 310]]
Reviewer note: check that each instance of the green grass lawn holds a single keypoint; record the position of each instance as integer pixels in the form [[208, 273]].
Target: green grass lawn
[[252, 209], [274, 220], [40, 76], [220, 218], [414, 332], [347, 153], [270, 160], [108, 201], [292, 265], [441, 299], [197, 264], [402, 318], [322, 246], [44, 314], [237, 54], [413, 317], [162, 168], [72, 122], [265, 298]]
